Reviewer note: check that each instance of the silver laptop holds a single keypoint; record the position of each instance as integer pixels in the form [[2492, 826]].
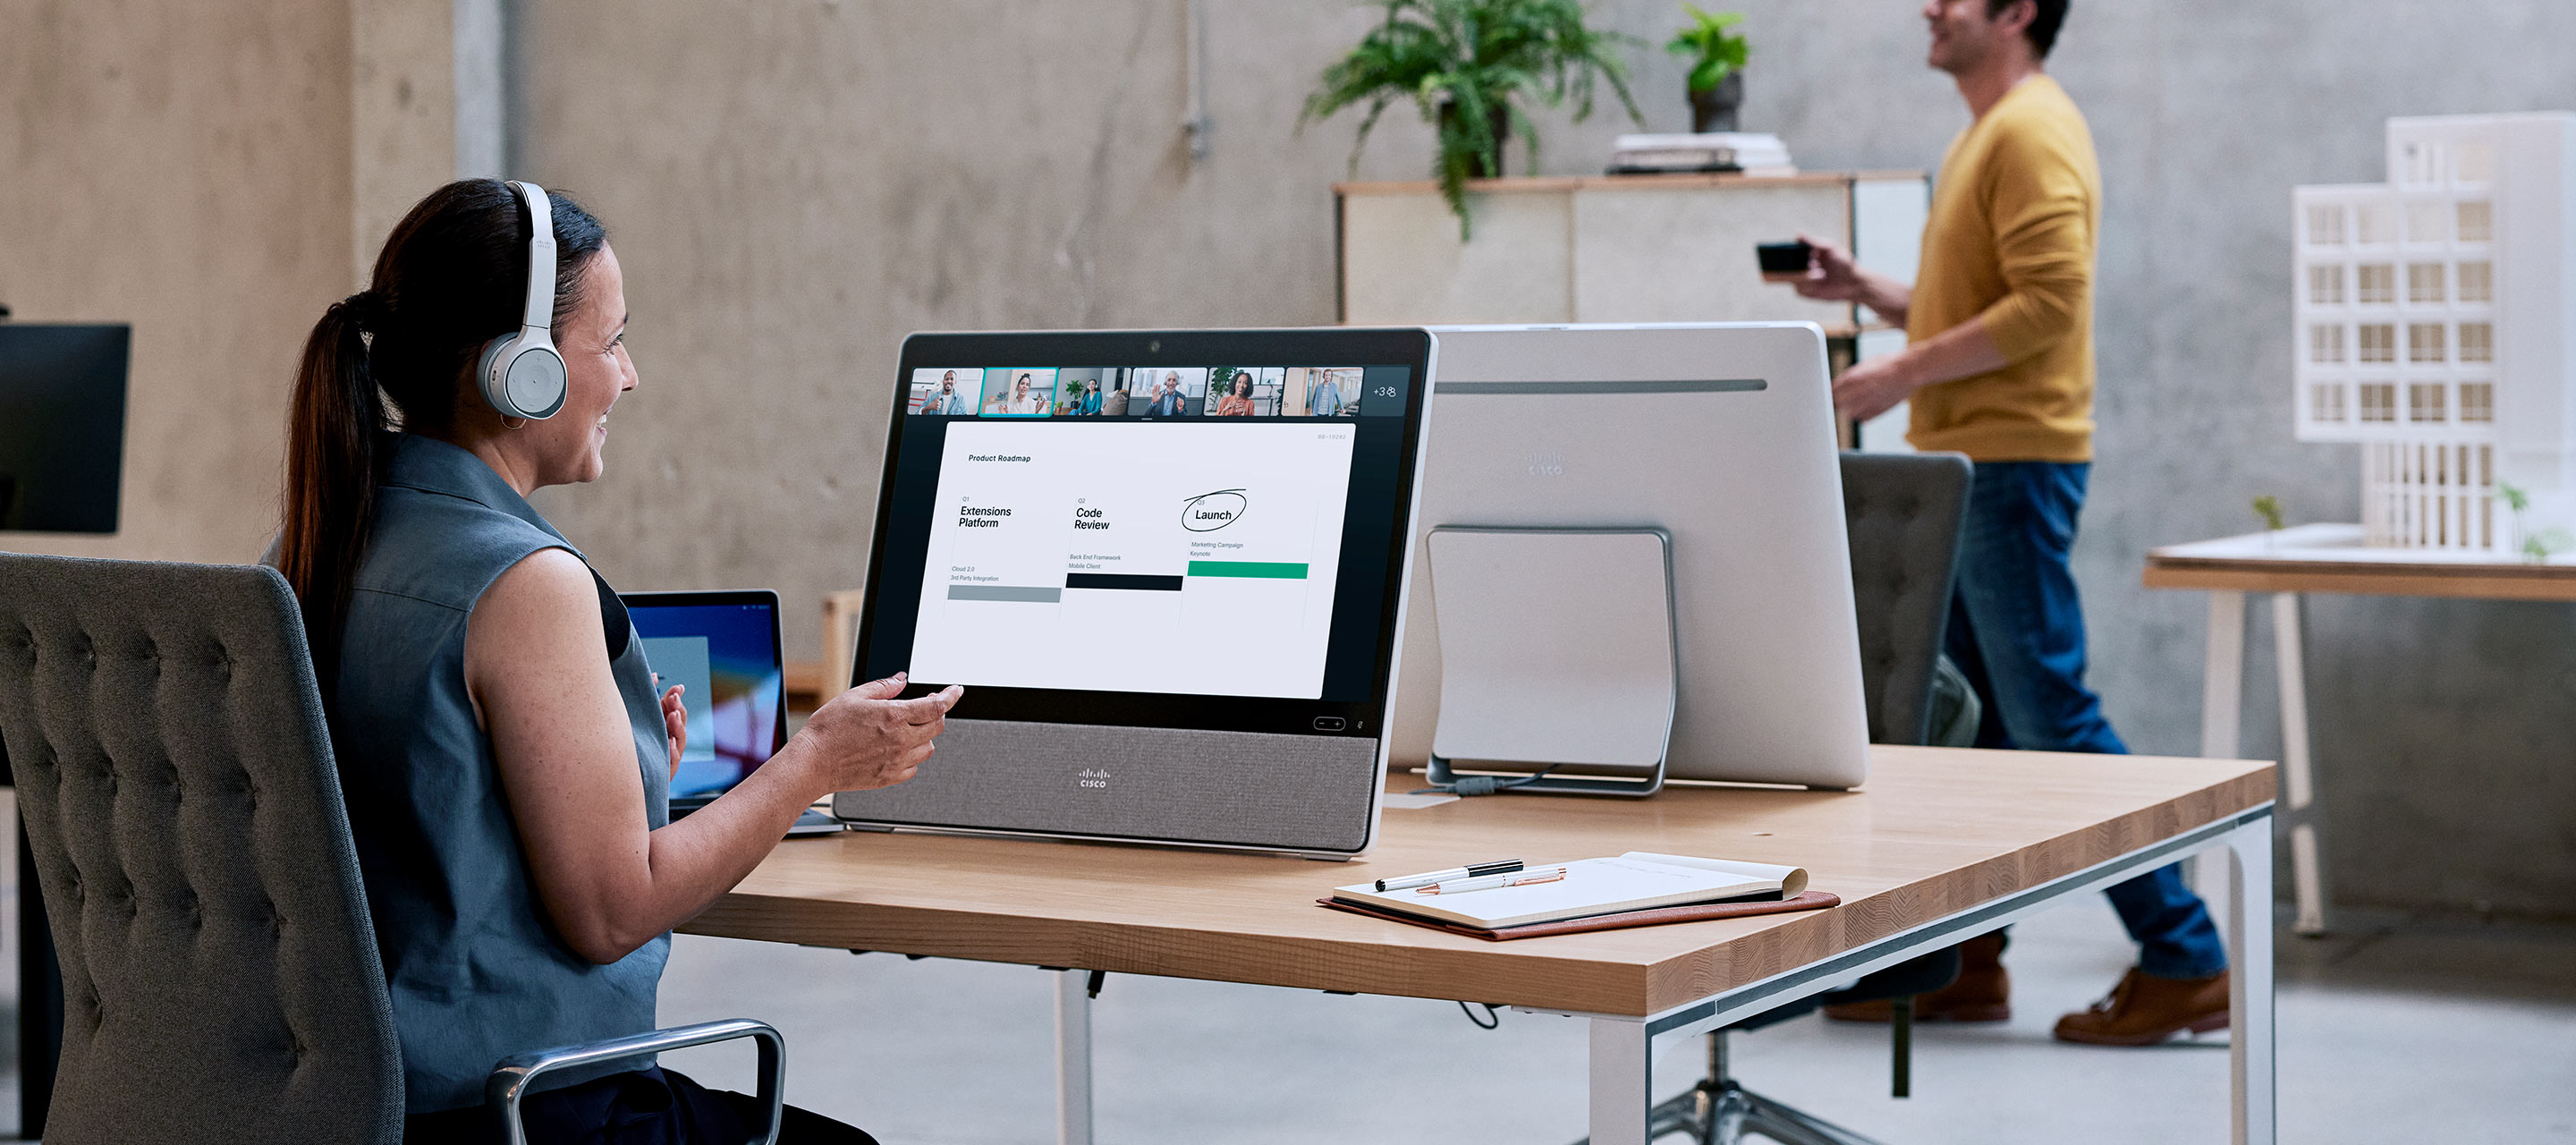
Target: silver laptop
[[723, 646]]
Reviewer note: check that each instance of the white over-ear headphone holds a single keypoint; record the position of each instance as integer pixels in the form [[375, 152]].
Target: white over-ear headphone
[[522, 375]]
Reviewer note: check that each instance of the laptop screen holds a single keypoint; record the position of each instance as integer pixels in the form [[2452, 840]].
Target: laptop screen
[[723, 647], [1195, 531]]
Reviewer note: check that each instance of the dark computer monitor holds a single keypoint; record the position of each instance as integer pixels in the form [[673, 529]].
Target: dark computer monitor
[[62, 426]]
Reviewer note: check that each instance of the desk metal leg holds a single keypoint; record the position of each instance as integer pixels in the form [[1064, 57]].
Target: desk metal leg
[[1622, 1091], [2222, 675], [2298, 780], [2249, 985], [2222, 690], [1072, 1057]]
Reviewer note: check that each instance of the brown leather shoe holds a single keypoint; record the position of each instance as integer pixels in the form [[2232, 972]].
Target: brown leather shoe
[[1982, 993], [2144, 1010]]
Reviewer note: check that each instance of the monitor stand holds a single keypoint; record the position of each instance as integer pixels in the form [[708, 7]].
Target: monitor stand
[[1557, 650]]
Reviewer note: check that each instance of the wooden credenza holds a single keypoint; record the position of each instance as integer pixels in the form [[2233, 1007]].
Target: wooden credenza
[[1627, 248]]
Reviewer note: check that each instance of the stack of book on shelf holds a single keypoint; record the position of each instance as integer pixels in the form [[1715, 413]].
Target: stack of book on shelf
[[1635, 889], [1751, 152]]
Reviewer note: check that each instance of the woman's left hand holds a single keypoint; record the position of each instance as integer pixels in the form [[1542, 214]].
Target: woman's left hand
[[675, 720]]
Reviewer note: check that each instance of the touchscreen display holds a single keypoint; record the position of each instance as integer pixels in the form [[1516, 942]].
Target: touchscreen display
[[1174, 530], [1135, 556]]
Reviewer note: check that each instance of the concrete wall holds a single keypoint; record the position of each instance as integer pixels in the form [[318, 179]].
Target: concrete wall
[[185, 168], [2441, 730], [793, 187]]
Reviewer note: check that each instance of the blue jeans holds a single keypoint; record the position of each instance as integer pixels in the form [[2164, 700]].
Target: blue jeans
[[2017, 632]]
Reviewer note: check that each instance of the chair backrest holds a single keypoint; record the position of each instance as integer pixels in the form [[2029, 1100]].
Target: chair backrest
[[1905, 511], [220, 977]]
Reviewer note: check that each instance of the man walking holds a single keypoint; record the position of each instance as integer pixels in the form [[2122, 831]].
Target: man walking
[[1999, 366]]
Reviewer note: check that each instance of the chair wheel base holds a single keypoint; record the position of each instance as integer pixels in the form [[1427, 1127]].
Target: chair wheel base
[[1723, 1112]]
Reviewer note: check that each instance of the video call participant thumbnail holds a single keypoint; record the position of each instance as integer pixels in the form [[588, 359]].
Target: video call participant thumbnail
[[1332, 392], [941, 396], [1078, 392], [1166, 397], [1234, 395], [1018, 393]]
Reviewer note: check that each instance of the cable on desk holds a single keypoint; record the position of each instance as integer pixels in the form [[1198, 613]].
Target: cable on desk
[[1467, 785], [1493, 1018]]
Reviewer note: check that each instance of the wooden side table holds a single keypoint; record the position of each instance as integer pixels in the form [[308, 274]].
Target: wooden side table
[[2288, 564]]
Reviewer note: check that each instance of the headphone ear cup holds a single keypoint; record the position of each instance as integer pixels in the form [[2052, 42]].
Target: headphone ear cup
[[535, 381], [520, 378], [488, 374]]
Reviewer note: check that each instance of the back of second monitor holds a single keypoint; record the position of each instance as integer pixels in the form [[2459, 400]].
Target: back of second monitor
[[62, 425], [1720, 436]]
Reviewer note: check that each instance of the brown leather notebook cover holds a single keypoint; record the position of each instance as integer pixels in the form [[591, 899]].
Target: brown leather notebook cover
[[1657, 916]]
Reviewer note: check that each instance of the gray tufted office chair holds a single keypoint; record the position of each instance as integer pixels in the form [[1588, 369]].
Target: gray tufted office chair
[[1904, 513], [175, 780]]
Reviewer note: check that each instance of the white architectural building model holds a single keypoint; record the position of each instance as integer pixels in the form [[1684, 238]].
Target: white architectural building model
[[2437, 327]]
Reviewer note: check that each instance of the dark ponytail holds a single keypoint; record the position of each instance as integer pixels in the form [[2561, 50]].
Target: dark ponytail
[[452, 277]]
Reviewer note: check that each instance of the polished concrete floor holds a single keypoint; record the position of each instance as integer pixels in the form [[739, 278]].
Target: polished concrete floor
[[2399, 1029]]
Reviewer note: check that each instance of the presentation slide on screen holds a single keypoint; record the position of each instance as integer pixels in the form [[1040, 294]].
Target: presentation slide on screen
[[1176, 557]]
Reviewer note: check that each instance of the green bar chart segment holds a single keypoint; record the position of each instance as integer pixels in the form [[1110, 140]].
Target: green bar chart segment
[[1249, 570]]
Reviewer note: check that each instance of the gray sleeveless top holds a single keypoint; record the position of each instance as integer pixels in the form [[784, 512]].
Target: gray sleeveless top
[[475, 970]]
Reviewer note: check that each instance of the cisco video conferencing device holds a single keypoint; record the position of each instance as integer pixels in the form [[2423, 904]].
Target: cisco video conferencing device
[[1169, 568], [1717, 438]]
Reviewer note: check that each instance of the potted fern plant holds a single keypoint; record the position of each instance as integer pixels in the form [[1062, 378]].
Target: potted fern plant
[[1474, 68], [1717, 53]]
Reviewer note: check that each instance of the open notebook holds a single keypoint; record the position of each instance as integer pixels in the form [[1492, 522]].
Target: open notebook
[[1634, 881]]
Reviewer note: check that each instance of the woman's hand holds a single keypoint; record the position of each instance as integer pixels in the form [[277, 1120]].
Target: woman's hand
[[866, 739], [675, 723]]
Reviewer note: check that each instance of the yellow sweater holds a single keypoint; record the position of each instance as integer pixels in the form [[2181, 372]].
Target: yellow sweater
[[2011, 236]]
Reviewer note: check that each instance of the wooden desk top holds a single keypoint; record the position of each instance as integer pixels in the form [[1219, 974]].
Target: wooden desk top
[[2331, 558], [1934, 832]]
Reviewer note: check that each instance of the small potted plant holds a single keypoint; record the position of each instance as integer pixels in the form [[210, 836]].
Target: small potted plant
[[2267, 508], [2535, 548], [1717, 55], [1473, 67]]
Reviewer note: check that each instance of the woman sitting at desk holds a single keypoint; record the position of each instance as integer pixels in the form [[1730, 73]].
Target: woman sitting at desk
[[504, 757]]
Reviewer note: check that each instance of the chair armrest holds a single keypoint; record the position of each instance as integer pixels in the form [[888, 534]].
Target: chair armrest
[[509, 1080]]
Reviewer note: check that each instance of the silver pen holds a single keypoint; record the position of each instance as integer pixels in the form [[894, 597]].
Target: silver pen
[[1405, 882], [1492, 882]]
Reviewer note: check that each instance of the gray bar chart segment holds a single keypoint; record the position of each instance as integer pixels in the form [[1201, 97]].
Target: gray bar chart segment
[[1015, 593]]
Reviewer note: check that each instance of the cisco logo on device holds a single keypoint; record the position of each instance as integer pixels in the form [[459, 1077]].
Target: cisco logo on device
[[1095, 778], [1546, 465]]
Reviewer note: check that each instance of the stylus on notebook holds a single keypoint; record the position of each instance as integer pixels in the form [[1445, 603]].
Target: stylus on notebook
[[1493, 882], [1402, 882]]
